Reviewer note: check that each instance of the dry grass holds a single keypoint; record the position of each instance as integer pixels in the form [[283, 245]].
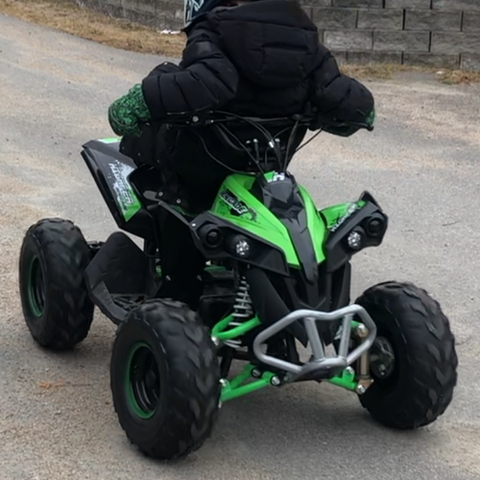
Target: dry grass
[[380, 71], [67, 16], [51, 385], [457, 77], [386, 71]]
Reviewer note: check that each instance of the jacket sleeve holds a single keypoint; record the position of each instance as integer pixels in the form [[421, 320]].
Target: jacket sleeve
[[339, 96], [205, 80], [165, 67]]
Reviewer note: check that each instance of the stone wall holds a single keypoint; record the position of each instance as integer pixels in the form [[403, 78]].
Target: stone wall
[[161, 14], [443, 33]]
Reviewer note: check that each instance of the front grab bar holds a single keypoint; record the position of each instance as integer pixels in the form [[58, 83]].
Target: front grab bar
[[319, 364]]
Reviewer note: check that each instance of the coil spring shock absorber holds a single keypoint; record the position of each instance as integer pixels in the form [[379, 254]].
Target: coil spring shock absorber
[[242, 310]]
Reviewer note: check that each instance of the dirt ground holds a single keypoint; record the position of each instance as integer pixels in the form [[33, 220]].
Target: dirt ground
[[421, 163]]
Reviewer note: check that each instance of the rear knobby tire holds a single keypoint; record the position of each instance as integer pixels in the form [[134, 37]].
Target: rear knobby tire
[[421, 385], [165, 379], [55, 302]]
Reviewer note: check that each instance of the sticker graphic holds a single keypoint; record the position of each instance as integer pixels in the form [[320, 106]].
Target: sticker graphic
[[233, 202], [237, 206], [277, 177], [126, 198], [350, 211]]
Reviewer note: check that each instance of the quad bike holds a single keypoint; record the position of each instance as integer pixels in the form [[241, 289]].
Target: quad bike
[[277, 278]]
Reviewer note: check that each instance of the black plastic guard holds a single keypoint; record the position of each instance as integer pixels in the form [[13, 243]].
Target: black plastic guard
[[111, 169], [118, 277], [268, 304], [218, 297]]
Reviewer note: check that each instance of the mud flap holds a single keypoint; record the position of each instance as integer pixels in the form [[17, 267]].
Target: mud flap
[[118, 277]]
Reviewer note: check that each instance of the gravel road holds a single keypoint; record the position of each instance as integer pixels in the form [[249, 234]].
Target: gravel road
[[56, 416]]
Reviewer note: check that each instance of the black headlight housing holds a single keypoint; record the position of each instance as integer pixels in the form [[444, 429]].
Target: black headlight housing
[[218, 239], [364, 228], [211, 236]]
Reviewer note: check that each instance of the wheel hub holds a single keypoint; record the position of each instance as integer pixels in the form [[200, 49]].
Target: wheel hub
[[36, 288], [143, 381], [382, 358]]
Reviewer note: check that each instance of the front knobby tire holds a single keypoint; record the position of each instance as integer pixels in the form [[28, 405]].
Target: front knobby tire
[[165, 380], [55, 302], [418, 386]]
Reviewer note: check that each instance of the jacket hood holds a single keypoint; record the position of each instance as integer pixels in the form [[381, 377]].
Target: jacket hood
[[272, 43]]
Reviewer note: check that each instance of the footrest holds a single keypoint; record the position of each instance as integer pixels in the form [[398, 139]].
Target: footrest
[[117, 277]]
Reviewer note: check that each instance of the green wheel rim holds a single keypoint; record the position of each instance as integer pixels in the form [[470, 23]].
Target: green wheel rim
[[36, 287], [142, 381]]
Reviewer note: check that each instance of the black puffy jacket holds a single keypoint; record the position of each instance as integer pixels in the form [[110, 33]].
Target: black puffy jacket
[[259, 59], [263, 58]]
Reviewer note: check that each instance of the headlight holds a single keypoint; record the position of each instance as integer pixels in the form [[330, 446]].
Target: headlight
[[240, 246], [355, 240]]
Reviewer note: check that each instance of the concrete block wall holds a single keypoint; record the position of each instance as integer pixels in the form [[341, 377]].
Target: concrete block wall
[[442, 33], [161, 14]]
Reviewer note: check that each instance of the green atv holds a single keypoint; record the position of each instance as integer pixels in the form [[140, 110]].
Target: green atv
[[277, 281]]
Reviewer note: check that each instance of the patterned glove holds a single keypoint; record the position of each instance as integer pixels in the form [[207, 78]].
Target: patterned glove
[[126, 113], [370, 120]]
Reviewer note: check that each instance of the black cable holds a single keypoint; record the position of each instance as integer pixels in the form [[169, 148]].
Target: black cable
[[233, 136], [308, 141], [266, 134], [213, 157], [281, 132], [294, 129], [260, 128]]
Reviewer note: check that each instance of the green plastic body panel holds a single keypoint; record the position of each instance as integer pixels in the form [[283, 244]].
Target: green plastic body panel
[[251, 215], [335, 214]]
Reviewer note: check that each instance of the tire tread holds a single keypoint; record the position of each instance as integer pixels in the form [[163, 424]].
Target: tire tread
[[194, 379], [431, 357], [68, 311]]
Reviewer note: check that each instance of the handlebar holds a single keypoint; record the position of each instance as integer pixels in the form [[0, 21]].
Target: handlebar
[[212, 118]]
